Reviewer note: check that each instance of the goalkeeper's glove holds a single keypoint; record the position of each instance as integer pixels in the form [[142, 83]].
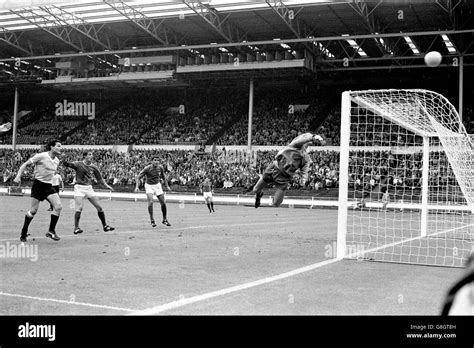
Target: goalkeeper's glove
[[318, 138]]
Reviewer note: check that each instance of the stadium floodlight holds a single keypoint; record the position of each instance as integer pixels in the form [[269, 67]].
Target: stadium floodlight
[[449, 45], [412, 144], [412, 45], [355, 46], [384, 45], [17, 4], [325, 50]]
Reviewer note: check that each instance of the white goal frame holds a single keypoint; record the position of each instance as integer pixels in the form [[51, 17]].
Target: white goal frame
[[424, 125]]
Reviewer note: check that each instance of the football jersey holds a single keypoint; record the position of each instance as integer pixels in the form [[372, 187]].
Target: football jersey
[[85, 174], [152, 174], [56, 180], [206, 186], [45, 167], [293, 157]]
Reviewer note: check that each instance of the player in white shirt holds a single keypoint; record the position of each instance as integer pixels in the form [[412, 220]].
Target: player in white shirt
[[46, 164]]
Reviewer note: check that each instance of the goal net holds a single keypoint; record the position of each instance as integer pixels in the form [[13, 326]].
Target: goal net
[[406, 186]]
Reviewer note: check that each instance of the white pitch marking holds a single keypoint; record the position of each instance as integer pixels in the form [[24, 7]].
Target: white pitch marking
[[360, 253], [194, 299], [166, 230], [67, 302]]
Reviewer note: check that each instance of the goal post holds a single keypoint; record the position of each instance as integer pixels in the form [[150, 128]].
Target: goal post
[[406, 180]]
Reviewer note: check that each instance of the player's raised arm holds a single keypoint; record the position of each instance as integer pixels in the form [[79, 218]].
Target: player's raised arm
[[305, 138], [68, 164]]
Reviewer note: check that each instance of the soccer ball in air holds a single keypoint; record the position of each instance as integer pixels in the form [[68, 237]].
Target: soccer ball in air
[[433, 58]]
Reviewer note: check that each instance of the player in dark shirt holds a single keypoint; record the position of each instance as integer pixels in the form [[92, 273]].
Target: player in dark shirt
[[287, 161], [207, 189], [86, 175], [154, 174]]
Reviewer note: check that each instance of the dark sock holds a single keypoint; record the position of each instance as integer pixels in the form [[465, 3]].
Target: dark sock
[[209, 207], [150, 211], [102, 217], [212, 206], [26, 223], [163, 211], [77, 217], [54, 221]]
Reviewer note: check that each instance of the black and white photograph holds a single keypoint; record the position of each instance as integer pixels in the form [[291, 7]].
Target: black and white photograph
[[217, 172]]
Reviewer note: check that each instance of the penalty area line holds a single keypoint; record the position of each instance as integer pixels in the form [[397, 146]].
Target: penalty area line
[[178, 229], [67, 302], [186, 301]]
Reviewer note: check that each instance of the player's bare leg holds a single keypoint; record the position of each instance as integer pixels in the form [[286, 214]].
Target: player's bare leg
[[149, 197], [101, 213], [161, 199], [208, 203], [55, 201], [28, 218], [212, 204]]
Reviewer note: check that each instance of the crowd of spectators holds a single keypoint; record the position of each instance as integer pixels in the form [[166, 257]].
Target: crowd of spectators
[[185, 169], [155, 120], [151, 121], [276, 120], [122, 125], [239, 169]]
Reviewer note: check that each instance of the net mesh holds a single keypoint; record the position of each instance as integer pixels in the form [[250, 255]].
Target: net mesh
[[386, 216]]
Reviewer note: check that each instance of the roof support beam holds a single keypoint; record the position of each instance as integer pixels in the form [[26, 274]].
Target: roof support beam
[[13, 39], [255, 43], [298, 27], [219, 23], [51, 25], [156, 30], [78, 24], [449, 6], [371, 22]]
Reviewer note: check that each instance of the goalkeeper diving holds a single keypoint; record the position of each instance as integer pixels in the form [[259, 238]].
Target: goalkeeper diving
[[288, 161]]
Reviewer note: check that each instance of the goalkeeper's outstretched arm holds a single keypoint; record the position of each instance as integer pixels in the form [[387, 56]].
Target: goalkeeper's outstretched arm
[[5, 127], [305, 138]]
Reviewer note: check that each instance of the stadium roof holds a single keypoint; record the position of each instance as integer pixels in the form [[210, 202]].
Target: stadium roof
[[370, 33]]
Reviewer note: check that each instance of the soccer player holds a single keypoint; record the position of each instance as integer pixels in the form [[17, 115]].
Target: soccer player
[[362, 204], [5, 127], [385, 198], [287, 161], [86, 174], [154, 174], [46, 164], [207, 189], [57, 180]]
